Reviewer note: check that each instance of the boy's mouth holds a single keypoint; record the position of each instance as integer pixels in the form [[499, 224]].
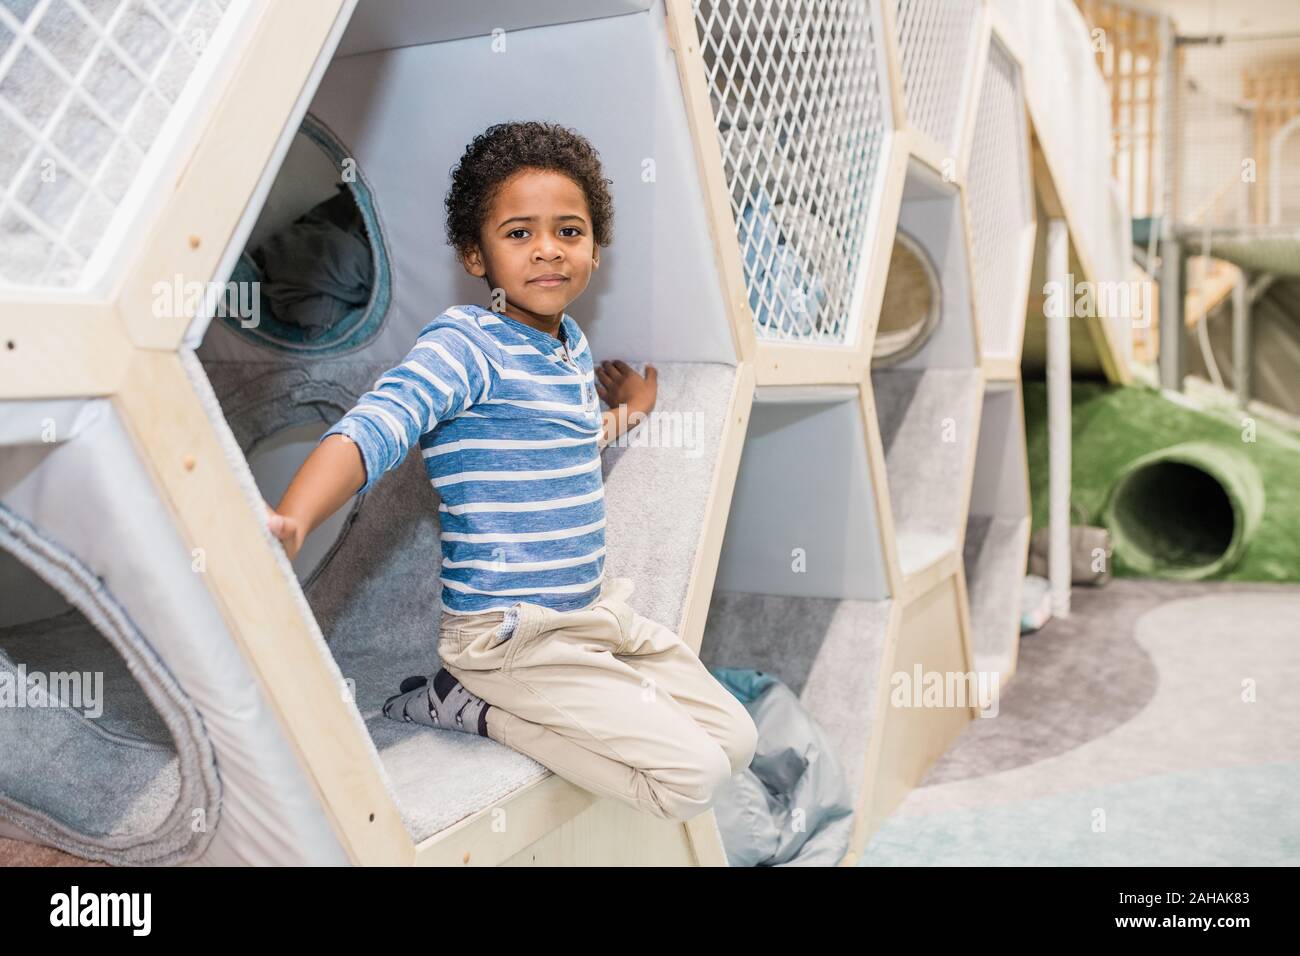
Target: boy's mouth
[[549, 281]]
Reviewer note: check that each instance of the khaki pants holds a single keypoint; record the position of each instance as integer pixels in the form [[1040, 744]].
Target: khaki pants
[[605, 698]]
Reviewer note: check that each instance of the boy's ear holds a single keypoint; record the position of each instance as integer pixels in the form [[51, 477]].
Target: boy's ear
[[472, 260], [595, 257]]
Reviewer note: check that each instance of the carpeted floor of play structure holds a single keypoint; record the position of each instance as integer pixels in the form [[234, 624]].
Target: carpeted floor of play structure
[[1127, 737]]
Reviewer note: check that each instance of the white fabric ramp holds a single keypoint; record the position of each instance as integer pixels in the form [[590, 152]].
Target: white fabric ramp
[[656, 495]]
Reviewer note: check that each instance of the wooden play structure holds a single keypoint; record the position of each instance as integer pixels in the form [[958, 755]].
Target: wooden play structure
[[846, 506]]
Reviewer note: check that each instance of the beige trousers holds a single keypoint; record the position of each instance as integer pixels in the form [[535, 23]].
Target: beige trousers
[[605, 698]]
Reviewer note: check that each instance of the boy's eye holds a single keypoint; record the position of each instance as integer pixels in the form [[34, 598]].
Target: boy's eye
[[521, 232]]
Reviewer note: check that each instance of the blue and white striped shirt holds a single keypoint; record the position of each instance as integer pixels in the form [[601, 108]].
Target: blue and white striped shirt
[[509, 424]]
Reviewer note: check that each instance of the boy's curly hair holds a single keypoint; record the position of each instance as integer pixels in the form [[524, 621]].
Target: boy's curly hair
[[504, 149]]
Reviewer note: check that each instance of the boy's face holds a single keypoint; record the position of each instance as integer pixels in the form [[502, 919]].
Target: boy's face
[[537, 229]]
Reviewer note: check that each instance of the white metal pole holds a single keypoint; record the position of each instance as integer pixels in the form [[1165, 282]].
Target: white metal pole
[[1242, 346], [1172, 286], [1059, 434], [1170, 364]]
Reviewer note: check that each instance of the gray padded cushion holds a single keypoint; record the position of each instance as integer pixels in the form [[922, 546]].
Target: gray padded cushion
[[927, 475], [655, 497], [67, 642], [994, 554], [121, 786], [114, 775], [259, 399]]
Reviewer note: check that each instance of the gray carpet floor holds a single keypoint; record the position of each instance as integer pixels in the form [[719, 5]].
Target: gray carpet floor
[[1157, 725]]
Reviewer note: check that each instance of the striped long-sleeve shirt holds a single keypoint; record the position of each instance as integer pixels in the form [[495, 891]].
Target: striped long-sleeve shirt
[[509, 425]]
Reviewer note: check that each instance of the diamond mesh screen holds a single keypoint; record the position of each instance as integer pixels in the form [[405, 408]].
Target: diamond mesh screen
[[936, 43], [1000, 209], [85, 86], [799, 113]]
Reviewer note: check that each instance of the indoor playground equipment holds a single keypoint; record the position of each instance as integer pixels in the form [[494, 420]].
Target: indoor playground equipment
[[802, 502], [1144, 464], [1198, 484]]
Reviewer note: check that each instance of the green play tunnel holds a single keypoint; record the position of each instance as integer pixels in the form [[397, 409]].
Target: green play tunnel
[[1186, 512]]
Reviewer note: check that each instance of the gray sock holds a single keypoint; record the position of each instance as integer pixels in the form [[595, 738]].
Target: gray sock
[[442, 702]]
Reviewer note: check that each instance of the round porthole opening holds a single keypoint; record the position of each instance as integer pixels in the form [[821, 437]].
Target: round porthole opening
[[101, 752], [911, 308], [314, 277]]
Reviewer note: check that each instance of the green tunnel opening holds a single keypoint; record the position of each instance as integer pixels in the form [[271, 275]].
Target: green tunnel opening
[[1177, 515], [1185, 512]]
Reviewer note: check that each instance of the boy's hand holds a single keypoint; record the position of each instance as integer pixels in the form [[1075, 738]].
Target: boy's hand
[[620, 384], [287, 529]]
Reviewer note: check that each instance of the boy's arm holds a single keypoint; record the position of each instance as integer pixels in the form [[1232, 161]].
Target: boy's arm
[[443, 374], [331, 475]]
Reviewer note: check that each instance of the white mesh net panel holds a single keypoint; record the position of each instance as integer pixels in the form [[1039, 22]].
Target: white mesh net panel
[[1000, 204], [936, 44], [800, 119], [85, 86]]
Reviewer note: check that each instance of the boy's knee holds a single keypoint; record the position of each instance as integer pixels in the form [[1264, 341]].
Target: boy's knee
[[718, 770], [740, 741], [684, 801], [731, 753]]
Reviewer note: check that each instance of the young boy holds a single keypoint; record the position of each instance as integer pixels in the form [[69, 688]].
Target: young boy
[[540, 651]]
